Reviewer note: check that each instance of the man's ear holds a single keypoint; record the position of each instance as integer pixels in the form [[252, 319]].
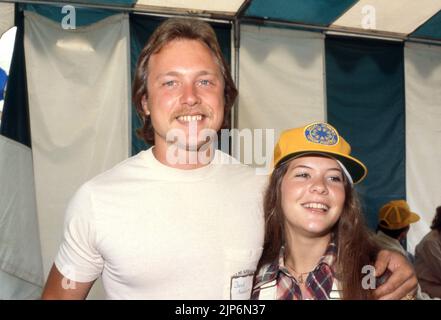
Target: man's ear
[[145, 107]]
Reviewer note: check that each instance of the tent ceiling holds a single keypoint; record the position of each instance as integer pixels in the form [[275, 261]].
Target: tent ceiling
[[400, 17], [224, 7], [316, 12], [124, 3], [431, 29], [404, 19]]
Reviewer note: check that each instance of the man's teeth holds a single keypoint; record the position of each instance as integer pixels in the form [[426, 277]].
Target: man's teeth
[[190, 118], [314, 205]]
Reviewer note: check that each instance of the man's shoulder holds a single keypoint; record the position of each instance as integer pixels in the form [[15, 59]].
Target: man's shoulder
[[430, 239], [234, 169], [384, 238], [111, 186], [126, 169]]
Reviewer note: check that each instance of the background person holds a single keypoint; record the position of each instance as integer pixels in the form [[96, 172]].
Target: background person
[[394, 219], [428, 259]]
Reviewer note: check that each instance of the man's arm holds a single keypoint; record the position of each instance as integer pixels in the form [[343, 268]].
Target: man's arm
[[58, 287], [402, 282]]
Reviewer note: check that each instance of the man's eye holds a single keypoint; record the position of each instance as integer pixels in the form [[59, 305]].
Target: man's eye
[[204, 82], [170, 83]]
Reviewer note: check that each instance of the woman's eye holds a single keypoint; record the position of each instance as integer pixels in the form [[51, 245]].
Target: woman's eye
[[336, 179], [301, 175]]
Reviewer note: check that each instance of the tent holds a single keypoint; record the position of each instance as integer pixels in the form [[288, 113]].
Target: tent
[[370, 68]]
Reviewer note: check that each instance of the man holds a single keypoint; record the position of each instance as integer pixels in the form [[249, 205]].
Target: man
[[180, 220], [394, 219]]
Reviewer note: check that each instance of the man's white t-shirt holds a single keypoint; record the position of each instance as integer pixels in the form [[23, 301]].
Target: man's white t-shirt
[[155, 232]]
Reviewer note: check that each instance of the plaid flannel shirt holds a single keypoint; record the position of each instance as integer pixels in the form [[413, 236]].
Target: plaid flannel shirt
[[319, 282]]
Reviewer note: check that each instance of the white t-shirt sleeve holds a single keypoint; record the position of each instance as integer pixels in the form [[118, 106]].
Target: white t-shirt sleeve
[[78, 258]]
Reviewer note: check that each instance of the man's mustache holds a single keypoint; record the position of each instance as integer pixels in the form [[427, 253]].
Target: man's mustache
[[200, 110]]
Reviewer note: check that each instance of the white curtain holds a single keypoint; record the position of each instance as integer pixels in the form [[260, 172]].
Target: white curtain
[[281, 80], [21, 270], [79, 101], [423, 135], [6, 17]]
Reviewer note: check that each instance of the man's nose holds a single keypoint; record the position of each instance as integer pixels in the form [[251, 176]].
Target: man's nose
[[190, 95]]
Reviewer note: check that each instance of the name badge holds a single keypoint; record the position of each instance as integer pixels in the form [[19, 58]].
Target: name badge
[[241, 287]]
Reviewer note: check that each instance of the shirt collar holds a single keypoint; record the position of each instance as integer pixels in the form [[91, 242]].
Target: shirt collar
[[270, 271]]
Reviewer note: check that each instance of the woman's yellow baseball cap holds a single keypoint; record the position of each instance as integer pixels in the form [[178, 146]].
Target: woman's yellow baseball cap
[[322, 138]]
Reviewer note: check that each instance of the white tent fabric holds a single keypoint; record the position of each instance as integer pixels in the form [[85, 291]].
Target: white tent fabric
[[6, 48], [397, 16], [21, 270], [79, 94], [423, 134], [281, 80], [6, 17], [14, 288]]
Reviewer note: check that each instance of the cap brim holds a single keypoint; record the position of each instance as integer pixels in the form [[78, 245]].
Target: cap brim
[[414, 217], [356, 168]]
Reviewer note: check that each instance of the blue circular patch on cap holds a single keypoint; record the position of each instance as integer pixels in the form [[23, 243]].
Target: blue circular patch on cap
[[321, 133]]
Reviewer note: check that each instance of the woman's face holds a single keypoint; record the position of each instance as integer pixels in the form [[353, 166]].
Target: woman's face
[[313, 195]]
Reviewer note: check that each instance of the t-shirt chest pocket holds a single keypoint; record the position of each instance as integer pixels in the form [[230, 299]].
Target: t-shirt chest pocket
[[240, 266]]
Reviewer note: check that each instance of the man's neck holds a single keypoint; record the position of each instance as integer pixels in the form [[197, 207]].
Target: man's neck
[[180, 158]]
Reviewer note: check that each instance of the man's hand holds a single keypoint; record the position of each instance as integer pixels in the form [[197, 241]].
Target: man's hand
[[402, 282]]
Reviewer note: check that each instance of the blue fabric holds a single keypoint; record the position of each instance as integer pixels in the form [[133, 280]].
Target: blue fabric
[[3, 79], [316, 12], [365, 102], [141, 27], [430, 29], [83, 16], [15, 118]]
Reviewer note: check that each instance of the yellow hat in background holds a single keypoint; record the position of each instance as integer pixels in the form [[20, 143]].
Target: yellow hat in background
[[396, 214], [322, 138]]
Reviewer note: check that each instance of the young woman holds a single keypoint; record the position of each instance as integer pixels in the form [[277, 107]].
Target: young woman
[[316, 242]]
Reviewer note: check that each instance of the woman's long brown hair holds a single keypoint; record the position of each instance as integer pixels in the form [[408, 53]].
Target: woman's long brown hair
[[355, 245]]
